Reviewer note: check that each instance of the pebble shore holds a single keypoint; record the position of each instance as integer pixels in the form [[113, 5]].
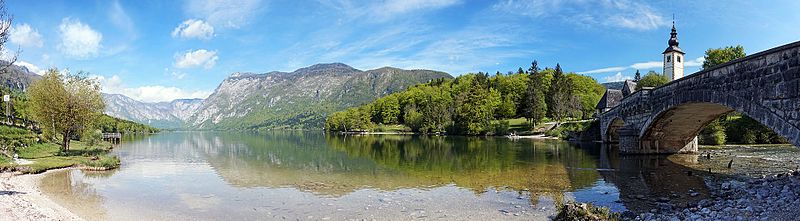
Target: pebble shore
[[774, 197]]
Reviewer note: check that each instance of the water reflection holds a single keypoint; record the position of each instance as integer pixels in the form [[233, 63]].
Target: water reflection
[[290, 174]]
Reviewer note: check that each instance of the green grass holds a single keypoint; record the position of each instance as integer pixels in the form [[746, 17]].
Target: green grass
[[563, 130], [521, 126], [102, 161], [391, 128], [47, 156]]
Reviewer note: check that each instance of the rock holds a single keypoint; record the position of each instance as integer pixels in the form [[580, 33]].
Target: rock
[[693, 194]]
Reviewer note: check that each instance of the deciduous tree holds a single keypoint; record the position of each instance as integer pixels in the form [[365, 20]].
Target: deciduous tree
[[65, 104]]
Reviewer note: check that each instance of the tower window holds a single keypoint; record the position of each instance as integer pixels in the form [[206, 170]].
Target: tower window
[[669, 58], [679, 59]]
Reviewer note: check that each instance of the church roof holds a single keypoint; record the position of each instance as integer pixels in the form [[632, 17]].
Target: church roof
[[673, 41], [610, 99], [628, 87]]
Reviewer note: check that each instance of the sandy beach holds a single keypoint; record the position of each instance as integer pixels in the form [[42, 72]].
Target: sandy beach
[[21, 199]]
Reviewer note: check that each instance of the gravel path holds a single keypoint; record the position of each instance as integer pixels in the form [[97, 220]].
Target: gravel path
[[21, 199]]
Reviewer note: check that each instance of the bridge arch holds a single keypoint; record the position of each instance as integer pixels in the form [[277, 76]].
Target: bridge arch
[[612, 131], [675, 124]]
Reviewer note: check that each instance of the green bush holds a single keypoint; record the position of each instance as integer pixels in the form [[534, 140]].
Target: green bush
[[501, 127], [92, 137], [713, 133], [413, 119], [573, 211], [749, 137], [103, 161]]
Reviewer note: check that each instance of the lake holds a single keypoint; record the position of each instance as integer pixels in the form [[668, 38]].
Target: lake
[[318, 176]]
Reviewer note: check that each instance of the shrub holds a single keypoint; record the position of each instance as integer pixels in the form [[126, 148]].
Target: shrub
[[92, 137], [713, 133], [501, 127], [584, 212], [107, 162]]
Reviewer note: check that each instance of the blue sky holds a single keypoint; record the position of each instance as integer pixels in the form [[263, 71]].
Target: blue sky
[[161, 50]]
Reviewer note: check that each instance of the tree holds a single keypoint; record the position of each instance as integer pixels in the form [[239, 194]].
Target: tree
[[474, 108], [65, 105], [717, 56], [534, 105], [587, 91], [652, 79], [5, 31], [560, 95], [637, 77]]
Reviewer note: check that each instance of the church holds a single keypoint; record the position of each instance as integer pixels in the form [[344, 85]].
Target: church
[[673, 58]]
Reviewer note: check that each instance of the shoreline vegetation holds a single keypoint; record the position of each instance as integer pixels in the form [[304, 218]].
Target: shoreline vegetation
[[44, 140]]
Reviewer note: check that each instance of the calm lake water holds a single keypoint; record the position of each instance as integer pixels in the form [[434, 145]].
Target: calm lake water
[[317, 176]]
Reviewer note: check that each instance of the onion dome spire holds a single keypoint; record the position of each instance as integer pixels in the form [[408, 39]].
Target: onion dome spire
[[673, 41]]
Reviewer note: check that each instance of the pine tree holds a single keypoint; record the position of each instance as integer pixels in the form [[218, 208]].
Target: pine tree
[[637, 77], [534, 106], [559, 95]]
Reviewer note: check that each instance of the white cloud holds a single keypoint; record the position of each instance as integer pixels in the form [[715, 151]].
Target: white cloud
[[78, 39], [149, 93], [198, 58], [392, 7], [119, 17], [610, 13], [224, 13], [697, 62], [381, 11], [178, 75], [603, 70], [616, 78], [25, 36], [647, 65], [194, 28], [31, 67]]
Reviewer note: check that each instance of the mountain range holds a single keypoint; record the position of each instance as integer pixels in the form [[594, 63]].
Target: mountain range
[[301, 99], [16, 77]]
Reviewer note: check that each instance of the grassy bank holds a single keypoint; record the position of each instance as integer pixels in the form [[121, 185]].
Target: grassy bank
[[45, 156]]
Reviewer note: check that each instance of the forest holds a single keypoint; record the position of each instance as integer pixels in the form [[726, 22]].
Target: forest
[[477, 103]]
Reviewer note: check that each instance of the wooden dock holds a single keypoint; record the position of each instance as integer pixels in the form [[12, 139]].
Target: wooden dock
[[114, 138]]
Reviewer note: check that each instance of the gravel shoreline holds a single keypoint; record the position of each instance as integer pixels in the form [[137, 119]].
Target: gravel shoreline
[[774, 197], [22, 199]]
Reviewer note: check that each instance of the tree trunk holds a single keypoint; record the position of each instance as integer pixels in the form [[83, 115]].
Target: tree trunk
[[65, 141]]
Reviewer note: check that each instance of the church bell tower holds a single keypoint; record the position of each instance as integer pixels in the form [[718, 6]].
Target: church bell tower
[[673, 57]]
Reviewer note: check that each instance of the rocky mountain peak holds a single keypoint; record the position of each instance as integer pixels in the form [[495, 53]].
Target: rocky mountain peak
[[327, 68]]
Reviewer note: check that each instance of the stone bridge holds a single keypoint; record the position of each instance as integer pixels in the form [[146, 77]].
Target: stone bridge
[[764, 86]]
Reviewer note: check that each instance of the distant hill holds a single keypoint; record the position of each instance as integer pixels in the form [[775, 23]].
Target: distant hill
[[614, 85], [299, 99]]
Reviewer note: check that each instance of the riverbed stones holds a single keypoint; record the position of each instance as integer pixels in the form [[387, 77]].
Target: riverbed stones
[[765, 199]]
